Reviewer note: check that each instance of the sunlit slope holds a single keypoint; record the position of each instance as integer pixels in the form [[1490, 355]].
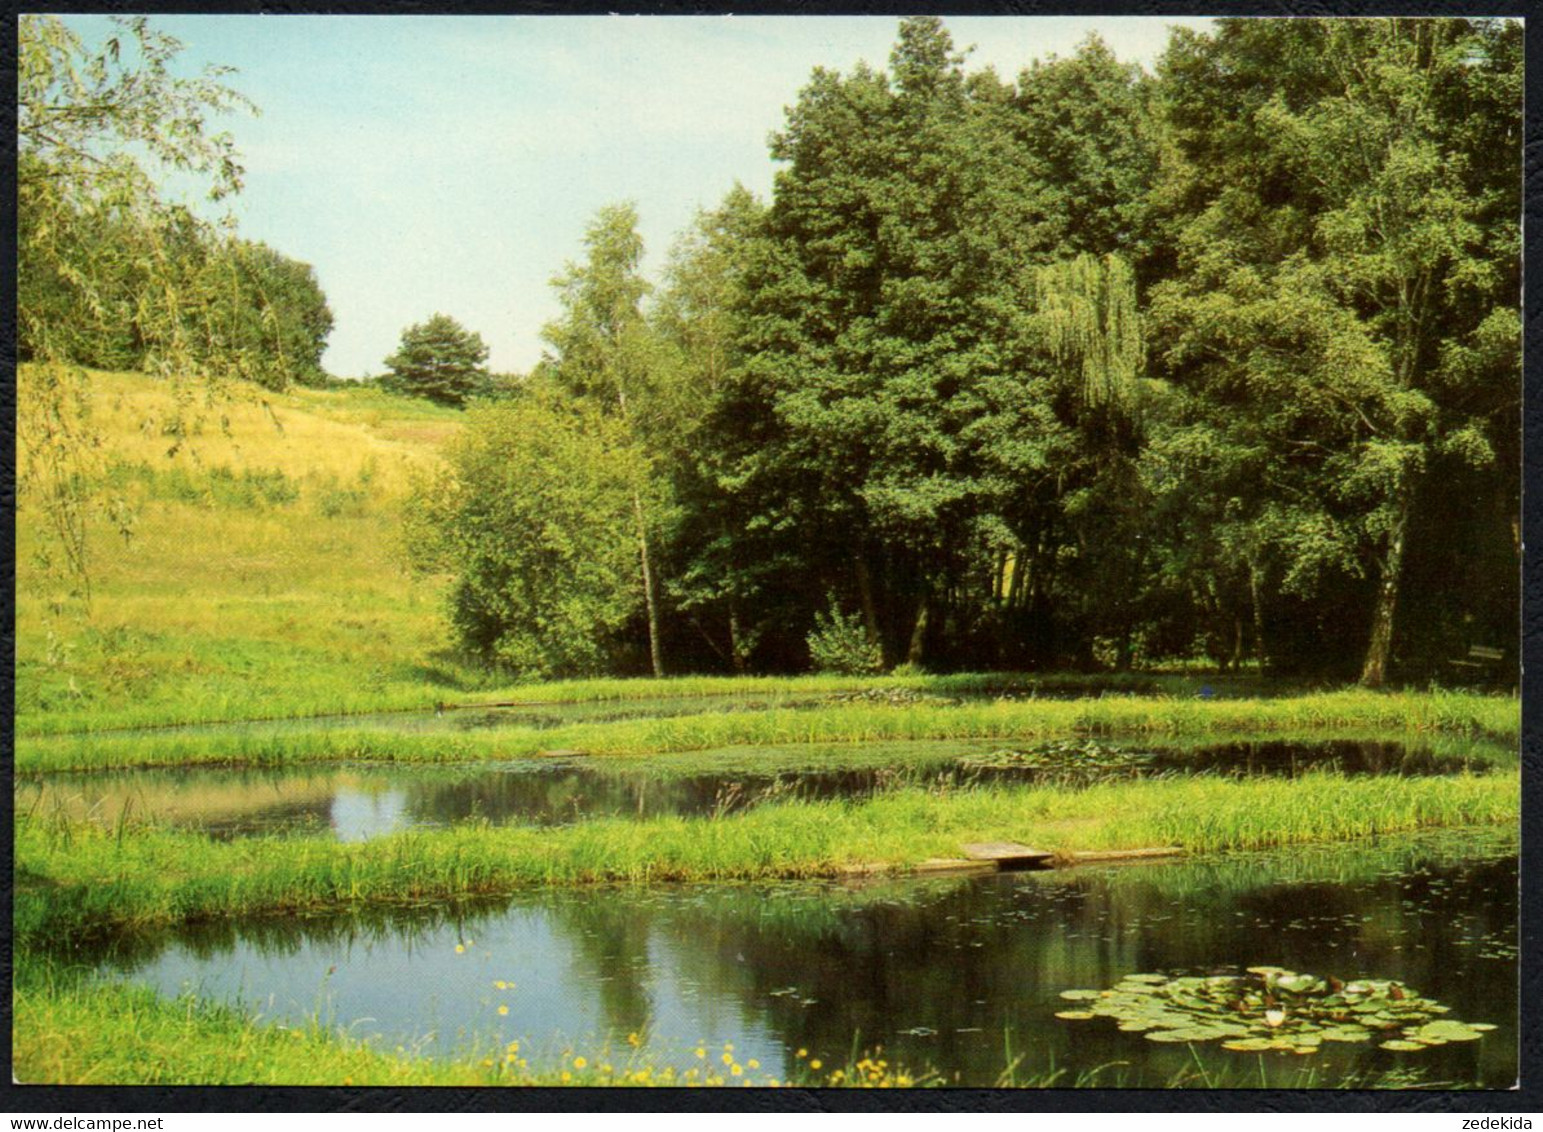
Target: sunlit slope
[[264, 574]]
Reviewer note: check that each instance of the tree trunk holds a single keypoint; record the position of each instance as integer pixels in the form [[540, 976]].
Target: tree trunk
[[1253, 595], [913, 654], [655, 648], [870, 609], [736, 641], [1374, 672]]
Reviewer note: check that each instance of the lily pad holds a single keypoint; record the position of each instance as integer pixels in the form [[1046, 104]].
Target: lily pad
[[1446, 1031], [1347, 1034], [1272, 1008], [1249, 1045]]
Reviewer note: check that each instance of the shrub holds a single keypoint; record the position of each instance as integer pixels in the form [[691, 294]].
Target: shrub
[[839, 643]]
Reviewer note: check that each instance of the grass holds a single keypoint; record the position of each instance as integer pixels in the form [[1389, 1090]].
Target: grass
[[1491, 717], [75, 879], [264, 572], [61, 1038]]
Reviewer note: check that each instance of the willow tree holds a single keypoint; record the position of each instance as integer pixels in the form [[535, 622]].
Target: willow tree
[[1088, 321], [97, 243], [1086, 309]]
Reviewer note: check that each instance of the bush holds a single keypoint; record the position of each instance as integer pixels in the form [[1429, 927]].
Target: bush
[[839, 643], [534, 518]]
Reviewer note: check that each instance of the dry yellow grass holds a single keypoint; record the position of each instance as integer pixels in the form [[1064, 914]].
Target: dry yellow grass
[[302, 433], [298, 604]]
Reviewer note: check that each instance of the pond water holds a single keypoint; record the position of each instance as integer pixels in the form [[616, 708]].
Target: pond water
[[359, 801], [959, 975]]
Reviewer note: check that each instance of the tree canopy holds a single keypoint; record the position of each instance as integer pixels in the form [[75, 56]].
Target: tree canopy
[[1086, 368], [439, 359]]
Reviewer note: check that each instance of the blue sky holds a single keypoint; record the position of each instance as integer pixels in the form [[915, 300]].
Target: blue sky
[[451, 163]]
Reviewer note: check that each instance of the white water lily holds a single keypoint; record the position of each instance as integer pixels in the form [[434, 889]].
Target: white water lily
[[1273, 1018]]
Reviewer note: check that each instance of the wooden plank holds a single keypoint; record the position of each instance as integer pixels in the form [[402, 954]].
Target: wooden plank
[[954, 865], [1005, 853], [1124, 854]]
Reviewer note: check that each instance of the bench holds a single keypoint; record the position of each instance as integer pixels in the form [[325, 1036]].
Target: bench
[[1483, 664], [1481, 656]]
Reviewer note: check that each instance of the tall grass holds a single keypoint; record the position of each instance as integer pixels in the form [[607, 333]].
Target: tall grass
[[75, 878], [217, 608], [1491, 717]]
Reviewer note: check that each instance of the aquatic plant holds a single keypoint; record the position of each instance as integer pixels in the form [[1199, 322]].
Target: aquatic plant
[[1273, 1009]]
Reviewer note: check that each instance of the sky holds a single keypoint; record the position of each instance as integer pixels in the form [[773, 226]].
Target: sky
[[450, 164]]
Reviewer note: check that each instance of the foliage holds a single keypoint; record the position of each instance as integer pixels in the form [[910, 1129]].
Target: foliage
[[608, 358], [112, 273], [840, 644], [440, 360], [1339, 240], [534, 516]]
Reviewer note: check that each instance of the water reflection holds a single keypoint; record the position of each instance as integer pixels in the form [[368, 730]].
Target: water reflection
[[360, 801], [945, 973]]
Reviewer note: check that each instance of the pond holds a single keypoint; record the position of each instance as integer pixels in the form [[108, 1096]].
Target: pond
[[359, 801], [963, 976]]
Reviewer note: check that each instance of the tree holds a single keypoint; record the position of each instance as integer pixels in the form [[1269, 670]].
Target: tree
[[97, 271], [919, 424], [534, 519], [720, 576], [440, 360], [267, 313], [1345, 305], [92, 131], [606, 354]]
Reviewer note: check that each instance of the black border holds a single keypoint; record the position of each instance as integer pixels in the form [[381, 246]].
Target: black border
[[192, 1099]]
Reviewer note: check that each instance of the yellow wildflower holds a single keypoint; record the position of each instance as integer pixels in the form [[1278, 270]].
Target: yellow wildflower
[[816, 1063]]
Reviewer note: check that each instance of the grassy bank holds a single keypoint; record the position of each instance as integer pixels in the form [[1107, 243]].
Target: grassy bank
[[61, 1038], [1492, 717], [74, 879], [424, 689]]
